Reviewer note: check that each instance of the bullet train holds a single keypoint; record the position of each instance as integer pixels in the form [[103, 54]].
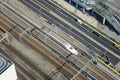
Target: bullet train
[[64, 43], [71, 49]]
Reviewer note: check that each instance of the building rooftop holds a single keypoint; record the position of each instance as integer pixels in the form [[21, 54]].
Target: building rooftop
[[4, 63], [85, 3], [103, 10]]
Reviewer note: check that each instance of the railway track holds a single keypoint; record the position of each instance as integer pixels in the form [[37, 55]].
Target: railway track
[[20, 77], [66, 69], [27, 40], [96, 69], [6, 53], [18, 25], [2, 31], [31, 67], [50, 42], [54, 60]]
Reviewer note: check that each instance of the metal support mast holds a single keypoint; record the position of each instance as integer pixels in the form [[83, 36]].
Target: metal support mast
[[20, 35], [5, 36], [86, 65]]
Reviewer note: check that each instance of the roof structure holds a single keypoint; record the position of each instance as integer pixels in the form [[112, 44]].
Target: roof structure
[[4, 63], [85, 3], [103, 10]]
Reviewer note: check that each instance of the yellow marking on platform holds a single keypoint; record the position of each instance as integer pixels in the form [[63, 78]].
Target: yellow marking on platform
[[109, 67]]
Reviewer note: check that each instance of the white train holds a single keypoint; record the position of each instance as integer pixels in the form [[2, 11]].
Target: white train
[[71, 49], [64, 43]]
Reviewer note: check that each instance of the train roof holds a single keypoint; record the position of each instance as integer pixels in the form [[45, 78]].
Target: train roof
[[71, 49]]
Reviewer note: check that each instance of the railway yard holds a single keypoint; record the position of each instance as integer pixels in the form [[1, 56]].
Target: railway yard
[[36, 43]]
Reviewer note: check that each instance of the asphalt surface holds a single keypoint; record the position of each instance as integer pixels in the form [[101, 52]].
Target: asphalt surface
[[92, 45]]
